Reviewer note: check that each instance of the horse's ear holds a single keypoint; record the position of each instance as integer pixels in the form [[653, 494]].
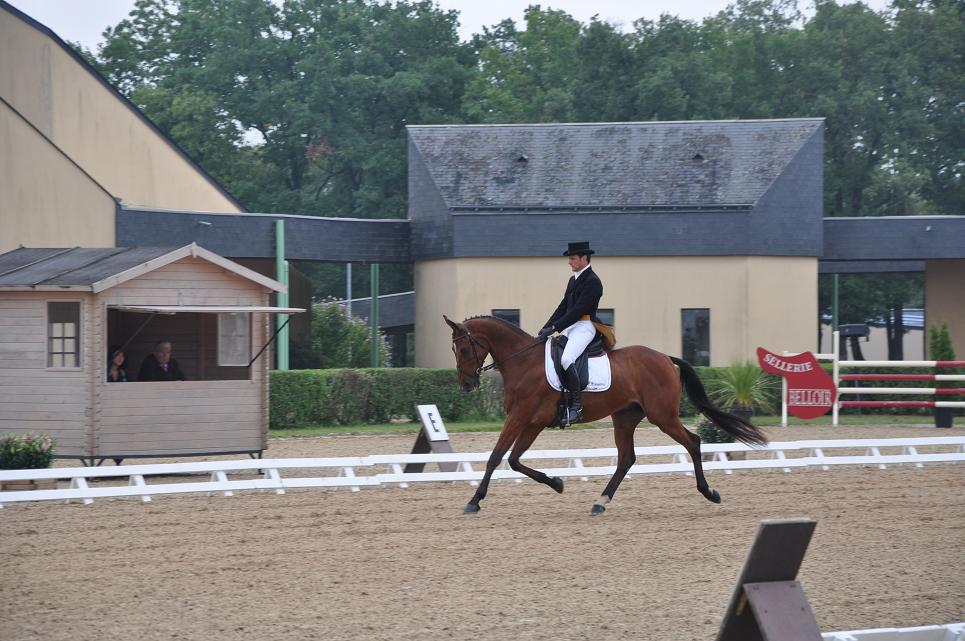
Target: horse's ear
[[454, 326]]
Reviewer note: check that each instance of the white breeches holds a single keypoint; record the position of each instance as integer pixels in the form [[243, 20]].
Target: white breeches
[[578, 335]]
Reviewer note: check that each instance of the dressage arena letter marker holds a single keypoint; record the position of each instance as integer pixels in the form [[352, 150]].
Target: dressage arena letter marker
[[810, 390], [432, 438], [767, 603]]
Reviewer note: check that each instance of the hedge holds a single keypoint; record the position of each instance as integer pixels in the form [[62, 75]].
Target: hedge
[[920, 411], [358, 396]]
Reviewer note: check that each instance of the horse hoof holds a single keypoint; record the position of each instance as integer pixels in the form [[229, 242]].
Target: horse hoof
[[597, 510], [471, 508], [712, 496], [557, 484]]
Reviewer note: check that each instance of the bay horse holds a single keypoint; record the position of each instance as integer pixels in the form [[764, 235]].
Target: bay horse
[[644, 383]]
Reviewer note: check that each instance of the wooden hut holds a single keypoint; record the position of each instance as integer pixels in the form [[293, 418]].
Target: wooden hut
[[62, 310]]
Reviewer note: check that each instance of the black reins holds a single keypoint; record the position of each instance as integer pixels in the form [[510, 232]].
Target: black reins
[[480, 368]]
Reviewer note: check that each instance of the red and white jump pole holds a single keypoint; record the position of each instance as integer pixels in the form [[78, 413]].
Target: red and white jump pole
[[838, 377]]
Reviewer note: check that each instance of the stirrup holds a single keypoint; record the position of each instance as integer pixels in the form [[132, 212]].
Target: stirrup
[[573, 416]]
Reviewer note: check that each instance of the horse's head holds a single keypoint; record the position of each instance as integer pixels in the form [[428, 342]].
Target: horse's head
[[470, 355]]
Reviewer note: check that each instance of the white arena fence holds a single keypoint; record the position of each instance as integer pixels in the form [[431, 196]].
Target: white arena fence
[[355, 472], [948, 632]]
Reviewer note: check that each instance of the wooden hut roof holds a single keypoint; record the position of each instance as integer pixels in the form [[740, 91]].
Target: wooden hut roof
[[97, 269]]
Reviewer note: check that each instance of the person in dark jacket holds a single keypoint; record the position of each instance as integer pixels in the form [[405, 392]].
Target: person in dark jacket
[[159, 366], [574, 317]]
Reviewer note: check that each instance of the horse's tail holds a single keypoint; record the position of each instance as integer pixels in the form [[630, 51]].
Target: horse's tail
[[740, 428]]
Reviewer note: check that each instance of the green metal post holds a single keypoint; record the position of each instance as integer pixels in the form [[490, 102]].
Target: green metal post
[[281, 275], [374, 313], [834, 304]]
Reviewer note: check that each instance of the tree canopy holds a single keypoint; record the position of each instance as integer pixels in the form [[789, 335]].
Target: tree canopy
[[300, 107]]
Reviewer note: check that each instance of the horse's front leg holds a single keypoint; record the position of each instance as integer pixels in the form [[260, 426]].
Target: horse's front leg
[[505, 440], [529, 434]]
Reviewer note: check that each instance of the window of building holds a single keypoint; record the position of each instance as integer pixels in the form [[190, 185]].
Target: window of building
[[508, 315], [234, 339], [606, 316], [63, 334], [695, 328]]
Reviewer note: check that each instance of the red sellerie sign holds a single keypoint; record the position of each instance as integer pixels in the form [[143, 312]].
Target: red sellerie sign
[[810, 390]]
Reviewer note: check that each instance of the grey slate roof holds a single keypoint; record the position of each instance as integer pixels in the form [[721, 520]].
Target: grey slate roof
[[253, 235], [395, 310], [894, 238], [75, 267], [641, 165]]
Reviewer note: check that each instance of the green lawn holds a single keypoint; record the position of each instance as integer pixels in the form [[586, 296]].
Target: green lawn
[[495, 426]]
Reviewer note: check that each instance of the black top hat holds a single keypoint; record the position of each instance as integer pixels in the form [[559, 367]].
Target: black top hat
[[579, 248]]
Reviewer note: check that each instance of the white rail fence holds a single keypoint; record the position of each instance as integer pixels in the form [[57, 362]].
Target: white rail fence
[[947, 632], [356, 472]]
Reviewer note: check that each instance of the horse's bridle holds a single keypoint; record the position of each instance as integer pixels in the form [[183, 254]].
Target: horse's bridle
[[480, 368], [479, 362]]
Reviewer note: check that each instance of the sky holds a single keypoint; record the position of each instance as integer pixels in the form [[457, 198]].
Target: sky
[[83, 21]]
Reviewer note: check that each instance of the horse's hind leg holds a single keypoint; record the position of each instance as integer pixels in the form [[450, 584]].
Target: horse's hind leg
[[624, 423], [522, 444], [675, 429]]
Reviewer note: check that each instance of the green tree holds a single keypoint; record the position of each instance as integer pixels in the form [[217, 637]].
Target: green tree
[[525, 76], [321, 89], [875, 298], [339, 340]]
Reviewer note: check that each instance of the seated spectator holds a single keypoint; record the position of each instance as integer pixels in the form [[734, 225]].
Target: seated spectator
[[116, 366], [159, 366]]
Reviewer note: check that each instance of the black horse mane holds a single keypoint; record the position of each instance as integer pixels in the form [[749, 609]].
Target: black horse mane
[[505, 323]]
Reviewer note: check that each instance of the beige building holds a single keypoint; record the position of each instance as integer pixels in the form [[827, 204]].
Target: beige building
[[644, 297], [945, 297], [707, 233], [72, 145]]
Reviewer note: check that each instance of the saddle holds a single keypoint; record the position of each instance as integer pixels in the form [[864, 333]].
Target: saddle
[[595, 348]]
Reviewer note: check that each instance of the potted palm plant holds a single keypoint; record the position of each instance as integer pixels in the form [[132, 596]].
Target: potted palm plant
[[742, 388], [940, 348]]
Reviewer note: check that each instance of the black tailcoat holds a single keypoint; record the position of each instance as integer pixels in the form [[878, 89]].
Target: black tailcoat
[[582, 298]]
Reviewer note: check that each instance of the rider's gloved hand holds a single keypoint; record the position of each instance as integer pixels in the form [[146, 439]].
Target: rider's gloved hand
[[546, 332]]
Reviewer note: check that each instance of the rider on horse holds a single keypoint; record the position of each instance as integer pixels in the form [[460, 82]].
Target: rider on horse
[[575, 318]]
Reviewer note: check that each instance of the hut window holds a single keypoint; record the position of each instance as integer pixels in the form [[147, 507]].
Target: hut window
[[63, 334], [234, 339]]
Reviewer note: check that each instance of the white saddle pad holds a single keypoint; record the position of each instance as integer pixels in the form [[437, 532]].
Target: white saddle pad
[[599, 372]]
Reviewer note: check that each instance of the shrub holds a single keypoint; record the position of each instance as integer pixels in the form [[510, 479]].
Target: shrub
[[357, 396], [940, 343], [28, 452], [708, 432]]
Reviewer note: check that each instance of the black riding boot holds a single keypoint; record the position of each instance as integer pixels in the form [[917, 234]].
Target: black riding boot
[[575, 411]]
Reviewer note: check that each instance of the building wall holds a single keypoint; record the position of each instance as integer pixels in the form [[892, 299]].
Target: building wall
[[945, 299], [753, 300], [45, 199], [73, 108], [56, 402]]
